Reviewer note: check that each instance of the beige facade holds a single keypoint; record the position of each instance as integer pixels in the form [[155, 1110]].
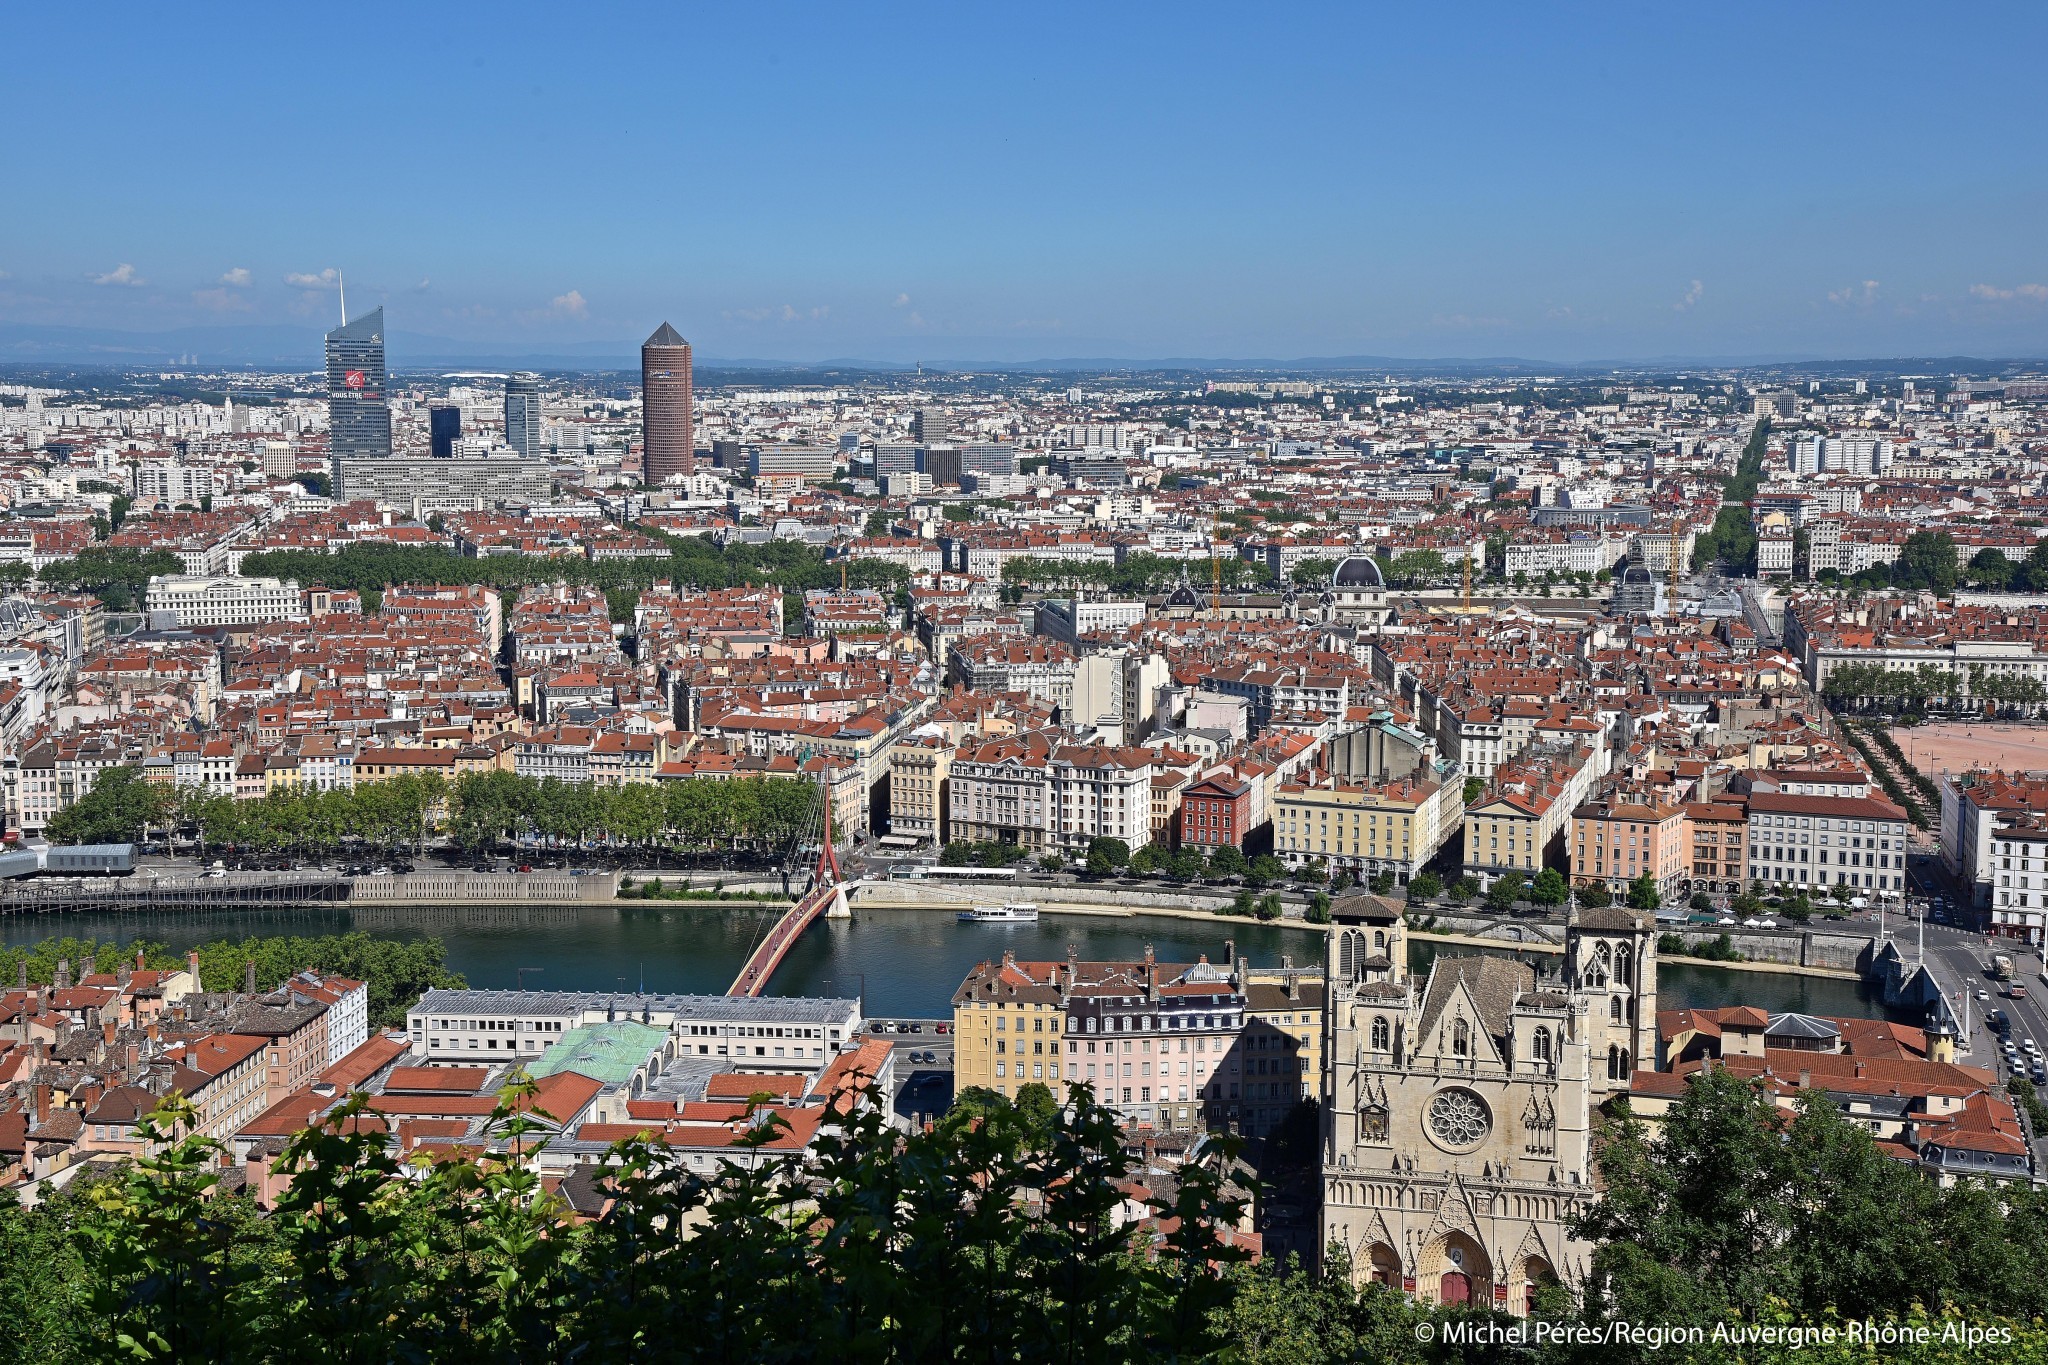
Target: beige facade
[[1460, 1108], [920, 767]]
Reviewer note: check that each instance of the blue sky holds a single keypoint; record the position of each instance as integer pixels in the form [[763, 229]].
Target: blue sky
[[949, 182]]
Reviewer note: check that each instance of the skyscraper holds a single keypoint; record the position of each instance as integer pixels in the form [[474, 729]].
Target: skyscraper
[[358, 407], [444, 429], [668, 437], [522, 414]]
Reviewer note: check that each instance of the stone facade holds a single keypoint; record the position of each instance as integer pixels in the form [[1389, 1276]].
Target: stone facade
[[1458, 1137]]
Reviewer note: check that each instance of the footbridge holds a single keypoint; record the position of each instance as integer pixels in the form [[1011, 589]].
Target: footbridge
[[825, 897]]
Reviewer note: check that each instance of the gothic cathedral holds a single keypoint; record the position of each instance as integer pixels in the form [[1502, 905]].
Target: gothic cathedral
[[1458, 1136]]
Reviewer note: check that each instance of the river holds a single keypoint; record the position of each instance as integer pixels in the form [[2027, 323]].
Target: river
[[906, 962]]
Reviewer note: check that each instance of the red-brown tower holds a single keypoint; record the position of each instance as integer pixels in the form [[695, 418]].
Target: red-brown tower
[[668, 435]]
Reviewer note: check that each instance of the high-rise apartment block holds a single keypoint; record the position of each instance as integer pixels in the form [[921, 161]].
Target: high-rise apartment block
[[668, 446], [522, 414], [358, 406]]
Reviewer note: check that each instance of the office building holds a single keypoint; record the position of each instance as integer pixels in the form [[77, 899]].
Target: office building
[[896, 459], [454, 1027], [522, 415], [810, 464], [931, 426], [988, 458], [444, 428], [460, 483], [668, 435], [358, 405]]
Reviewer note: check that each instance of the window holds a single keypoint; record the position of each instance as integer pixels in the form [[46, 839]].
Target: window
[[1461, 1039], [1381, 1034], [1540, 1045]]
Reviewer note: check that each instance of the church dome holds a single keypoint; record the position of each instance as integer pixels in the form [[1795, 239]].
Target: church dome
[[1357, 571]]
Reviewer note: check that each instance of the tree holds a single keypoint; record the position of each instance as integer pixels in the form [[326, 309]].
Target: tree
[[1099, 863], [1115, 852], [1508, 888], [1226, 861], [1473, 787], [1319, 908], [1051, 862], [1927, 560], [1643, 894], [1595, 895], [1425, 886], [1265, 869], [1269, 906]]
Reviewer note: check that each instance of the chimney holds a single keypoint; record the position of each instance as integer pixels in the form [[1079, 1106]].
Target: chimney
[[138, 959], [107, 1028], [192, 966], [22, 975], [249, 977], [42, 1103], [1806, 1080], [62, 979], [1229, 951]]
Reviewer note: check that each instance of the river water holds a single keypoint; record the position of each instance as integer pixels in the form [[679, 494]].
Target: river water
[[905, 962]]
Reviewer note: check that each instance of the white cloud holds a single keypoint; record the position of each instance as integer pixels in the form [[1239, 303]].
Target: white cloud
[[2032, 293], [221, 300], [301, 280], [124, 274], [569, 305], [236, 278], [1692, 296], [1855, 293], [902, 301], [422, 286]]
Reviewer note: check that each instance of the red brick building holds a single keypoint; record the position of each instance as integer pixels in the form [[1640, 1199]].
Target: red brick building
[[1216, 811]]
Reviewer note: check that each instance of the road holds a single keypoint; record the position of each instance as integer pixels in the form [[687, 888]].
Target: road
[[1957, 958]]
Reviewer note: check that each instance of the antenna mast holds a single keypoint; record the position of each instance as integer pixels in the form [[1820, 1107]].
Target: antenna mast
[[342, 285]]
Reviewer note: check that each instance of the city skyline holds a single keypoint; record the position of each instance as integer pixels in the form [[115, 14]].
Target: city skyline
[[1559, 187]]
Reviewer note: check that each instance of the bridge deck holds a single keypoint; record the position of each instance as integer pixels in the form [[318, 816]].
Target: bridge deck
[[761, 965]]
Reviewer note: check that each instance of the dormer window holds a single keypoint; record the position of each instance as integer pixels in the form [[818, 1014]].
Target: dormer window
[[1461, 1039]]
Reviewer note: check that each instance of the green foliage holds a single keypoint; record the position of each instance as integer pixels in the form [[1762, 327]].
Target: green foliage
[[1927, 560], [117, 575], [1269, 907], [692, 561], [1264, 870], [895, 1248], [1506, 890], [117, 810], [1738, 1210], [1106, 855], [1319, 908], [1549, 888], [397, 971], [1139, 575], [1643, 893], [1415, 569], [969, 853], [1227, 861], [1473, 787], [1595, 895], [1425, 886]]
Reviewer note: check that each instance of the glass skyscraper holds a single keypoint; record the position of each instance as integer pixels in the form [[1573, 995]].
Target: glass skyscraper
[[358, 404], [522, 414], [444, 429]]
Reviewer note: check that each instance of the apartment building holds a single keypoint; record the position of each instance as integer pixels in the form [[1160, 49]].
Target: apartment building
[[1368, 828], [1519, 822], [1622, 834], [1821, 842], [920, 771], [1718, 833]]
